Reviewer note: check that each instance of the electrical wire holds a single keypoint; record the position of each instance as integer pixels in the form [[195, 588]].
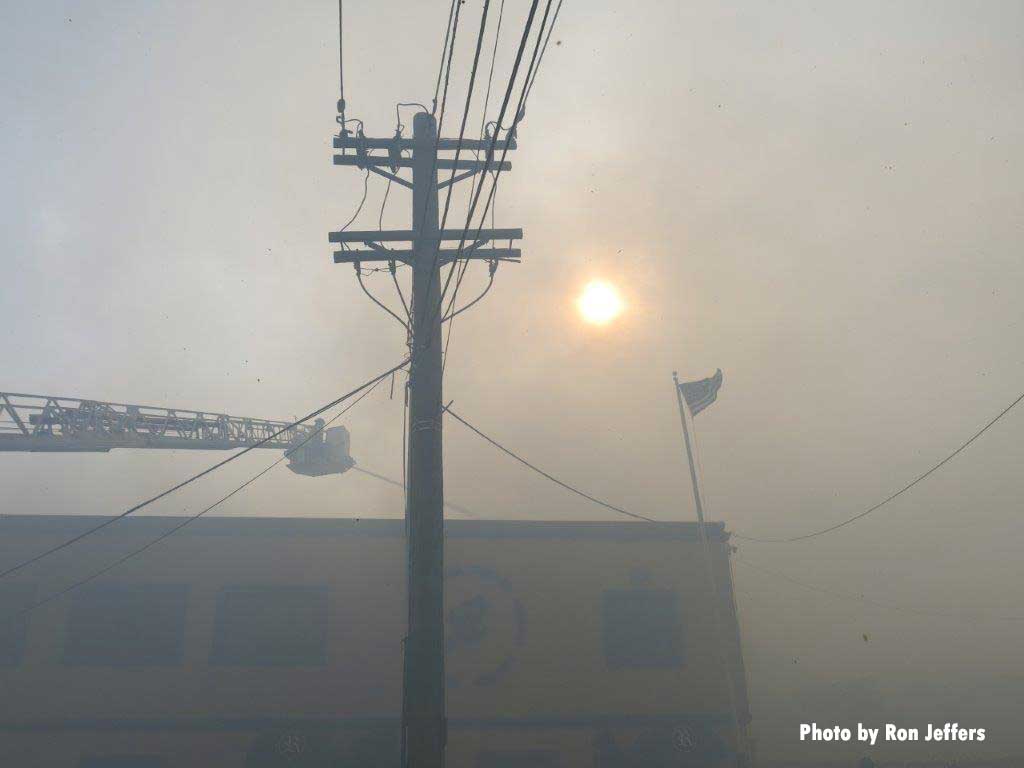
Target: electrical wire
[[504, 153], [541, 472], [398, 115], [362, 202], [487, 95], [444, 49], [383, 205], [187, 521], [860, 598], [458, 312], [378, 302], [554, 20], [458, 151], [384, 478], [895, 495], [457, 6], [341, 64], [490, 151], [401, 297], [130, 511], [849, 520], [534, 59]]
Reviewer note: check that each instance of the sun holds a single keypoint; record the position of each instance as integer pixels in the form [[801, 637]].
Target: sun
[[599, 303]]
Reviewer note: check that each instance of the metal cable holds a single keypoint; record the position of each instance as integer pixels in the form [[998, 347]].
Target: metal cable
[[110, 521], [541, 472], [504, 153], [187, 521], [444, 48], [898, 493], [375, 300]]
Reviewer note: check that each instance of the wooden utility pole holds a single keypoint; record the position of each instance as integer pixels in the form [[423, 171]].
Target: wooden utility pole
[[424, 684], [424, 727]]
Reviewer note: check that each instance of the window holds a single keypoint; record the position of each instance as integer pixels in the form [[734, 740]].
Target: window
[[14, 598], [134, 625], [518, 758], [642, 628], [271, 626]]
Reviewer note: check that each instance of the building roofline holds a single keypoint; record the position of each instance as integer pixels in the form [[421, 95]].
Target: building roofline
[[71, 525]]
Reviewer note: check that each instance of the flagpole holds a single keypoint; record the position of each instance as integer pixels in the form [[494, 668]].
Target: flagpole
[[741, 747], [689, 456]]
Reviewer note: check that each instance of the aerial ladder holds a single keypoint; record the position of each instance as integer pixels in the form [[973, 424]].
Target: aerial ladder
[[44, 423]]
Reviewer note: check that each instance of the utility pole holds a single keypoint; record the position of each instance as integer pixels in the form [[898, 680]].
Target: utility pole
[[424, 724]]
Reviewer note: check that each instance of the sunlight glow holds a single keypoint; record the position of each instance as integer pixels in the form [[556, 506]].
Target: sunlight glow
[[599, 303]]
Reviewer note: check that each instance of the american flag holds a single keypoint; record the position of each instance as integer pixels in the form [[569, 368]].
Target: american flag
[[702, 393]]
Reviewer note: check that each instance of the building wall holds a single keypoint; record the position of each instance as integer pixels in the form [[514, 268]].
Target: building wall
[[242, 642]]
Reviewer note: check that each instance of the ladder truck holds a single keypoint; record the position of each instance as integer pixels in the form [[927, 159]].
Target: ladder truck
[[45, 423]]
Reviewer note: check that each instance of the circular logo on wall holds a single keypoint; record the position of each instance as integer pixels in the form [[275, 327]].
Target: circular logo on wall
[[683, 739], [291, 745], [485, 626]]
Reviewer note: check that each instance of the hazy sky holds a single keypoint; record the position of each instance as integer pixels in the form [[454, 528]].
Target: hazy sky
[[822, 199]]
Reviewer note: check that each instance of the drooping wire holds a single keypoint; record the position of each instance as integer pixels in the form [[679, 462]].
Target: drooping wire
[[863, 514], [378, 302], [392, 268], [212, 468], [612, 507], [384, 478], [359, 208], [893, 496], [541, 472], [187, 521], [383, 205], [398, 115], [391, 265], [459, 311]]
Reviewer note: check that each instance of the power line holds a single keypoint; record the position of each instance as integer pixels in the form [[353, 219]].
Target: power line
[[384, 478], [378, 302], [484, 292], [494, 139], [359, 208], [519, 108], [487, 94], [341, 64], [898, 493], [475, 193], [849, 596], [444, 49], [554, 20], [187, 521], [110, 521], [458, 148], [846, 522], [541, 472]]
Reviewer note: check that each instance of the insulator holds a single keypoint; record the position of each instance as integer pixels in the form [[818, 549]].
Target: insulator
[[395, 151], [360, 149]]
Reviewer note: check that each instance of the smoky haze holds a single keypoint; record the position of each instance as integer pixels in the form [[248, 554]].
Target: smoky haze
[[822, 199]]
